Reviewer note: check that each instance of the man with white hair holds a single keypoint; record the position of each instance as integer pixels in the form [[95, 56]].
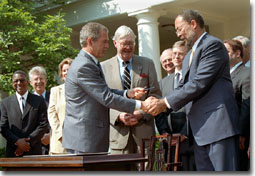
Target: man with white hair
[[38, 80], [127, 130], [166, 60]]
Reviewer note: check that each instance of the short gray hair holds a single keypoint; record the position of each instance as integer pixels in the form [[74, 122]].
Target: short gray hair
[[92, 30], [244, 40], [123, 31], [37, 70]]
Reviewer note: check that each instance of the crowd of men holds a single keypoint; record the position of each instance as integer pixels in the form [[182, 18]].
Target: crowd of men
[[205, 97]]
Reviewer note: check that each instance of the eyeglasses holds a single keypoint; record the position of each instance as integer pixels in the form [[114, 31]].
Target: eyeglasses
[[126, 44], [19, 80], [180, 28]]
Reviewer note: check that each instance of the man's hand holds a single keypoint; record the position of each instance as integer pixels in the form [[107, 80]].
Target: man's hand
[[46, 139], [18, 152], [136, 93], [153, 106], [241, 142], [248, 152], [128, 119], [22, 146]]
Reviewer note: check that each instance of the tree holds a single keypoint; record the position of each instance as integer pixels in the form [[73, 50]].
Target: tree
[[27, 39]]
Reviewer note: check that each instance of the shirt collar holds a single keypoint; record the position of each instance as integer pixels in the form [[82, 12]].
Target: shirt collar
[[25, 95], [194, 47], [43, 94], [175, 71], [121, 61], [93, 57], [235, 67]]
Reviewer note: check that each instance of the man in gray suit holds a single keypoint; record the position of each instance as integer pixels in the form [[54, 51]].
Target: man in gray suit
[[240, 75], [88, 98], [207, 93], [166, 60]]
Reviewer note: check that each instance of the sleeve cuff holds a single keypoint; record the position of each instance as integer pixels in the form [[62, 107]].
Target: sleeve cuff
[[167, 104], [138, 105], [125, 94]]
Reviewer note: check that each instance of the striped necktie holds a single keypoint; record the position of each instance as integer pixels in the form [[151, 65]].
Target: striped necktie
[[127, 79]]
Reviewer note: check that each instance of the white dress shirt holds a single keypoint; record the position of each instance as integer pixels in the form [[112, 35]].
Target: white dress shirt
[[20, 100]]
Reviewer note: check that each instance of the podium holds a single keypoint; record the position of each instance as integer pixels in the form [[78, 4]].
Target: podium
[[93, 162]]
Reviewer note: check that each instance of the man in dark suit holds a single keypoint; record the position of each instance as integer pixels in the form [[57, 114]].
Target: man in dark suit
[[88, 98], [23, 119], [175, 122], [207, 93], [38, 80], [240, 75]]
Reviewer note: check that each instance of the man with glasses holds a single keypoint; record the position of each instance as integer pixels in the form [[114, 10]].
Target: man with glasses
[[206, 92], [127, 130], [23, 119]]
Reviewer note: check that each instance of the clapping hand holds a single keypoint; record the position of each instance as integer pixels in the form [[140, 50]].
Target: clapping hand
[[153, 106], [136, 93]]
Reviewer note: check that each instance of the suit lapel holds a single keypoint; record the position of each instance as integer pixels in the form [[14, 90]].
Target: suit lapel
[[185, 65], [16, 106], [97, 64], [27, 106], [236, 72], [115, 73], [136, 71], [171, 81]]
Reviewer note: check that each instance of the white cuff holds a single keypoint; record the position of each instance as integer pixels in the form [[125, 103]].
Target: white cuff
[[168, 105], [138, 105]]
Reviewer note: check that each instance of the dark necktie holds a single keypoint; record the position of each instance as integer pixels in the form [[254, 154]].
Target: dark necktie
[[101, 70], [127, 79], [177, 79]]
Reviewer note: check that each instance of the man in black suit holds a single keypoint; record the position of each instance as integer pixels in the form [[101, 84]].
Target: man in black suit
[[23, 119], [38, 80]]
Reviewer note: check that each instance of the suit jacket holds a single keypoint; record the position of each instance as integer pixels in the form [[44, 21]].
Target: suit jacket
[[56, 116], [170, 122], [206, 90], [241, 83], [143, 75], [15, 125], [88, 99]]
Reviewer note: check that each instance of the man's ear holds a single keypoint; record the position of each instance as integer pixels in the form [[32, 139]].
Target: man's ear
[[194, 24], [89, 41], [238, 54], [115, 43]]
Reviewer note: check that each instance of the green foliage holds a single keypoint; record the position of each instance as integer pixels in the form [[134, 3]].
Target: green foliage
[[2, 152], [26, 41]]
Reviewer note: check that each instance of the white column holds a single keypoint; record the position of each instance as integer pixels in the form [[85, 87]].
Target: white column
[[148, 36]]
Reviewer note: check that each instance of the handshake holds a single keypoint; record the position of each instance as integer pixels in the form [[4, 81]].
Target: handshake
[[151, 105]]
